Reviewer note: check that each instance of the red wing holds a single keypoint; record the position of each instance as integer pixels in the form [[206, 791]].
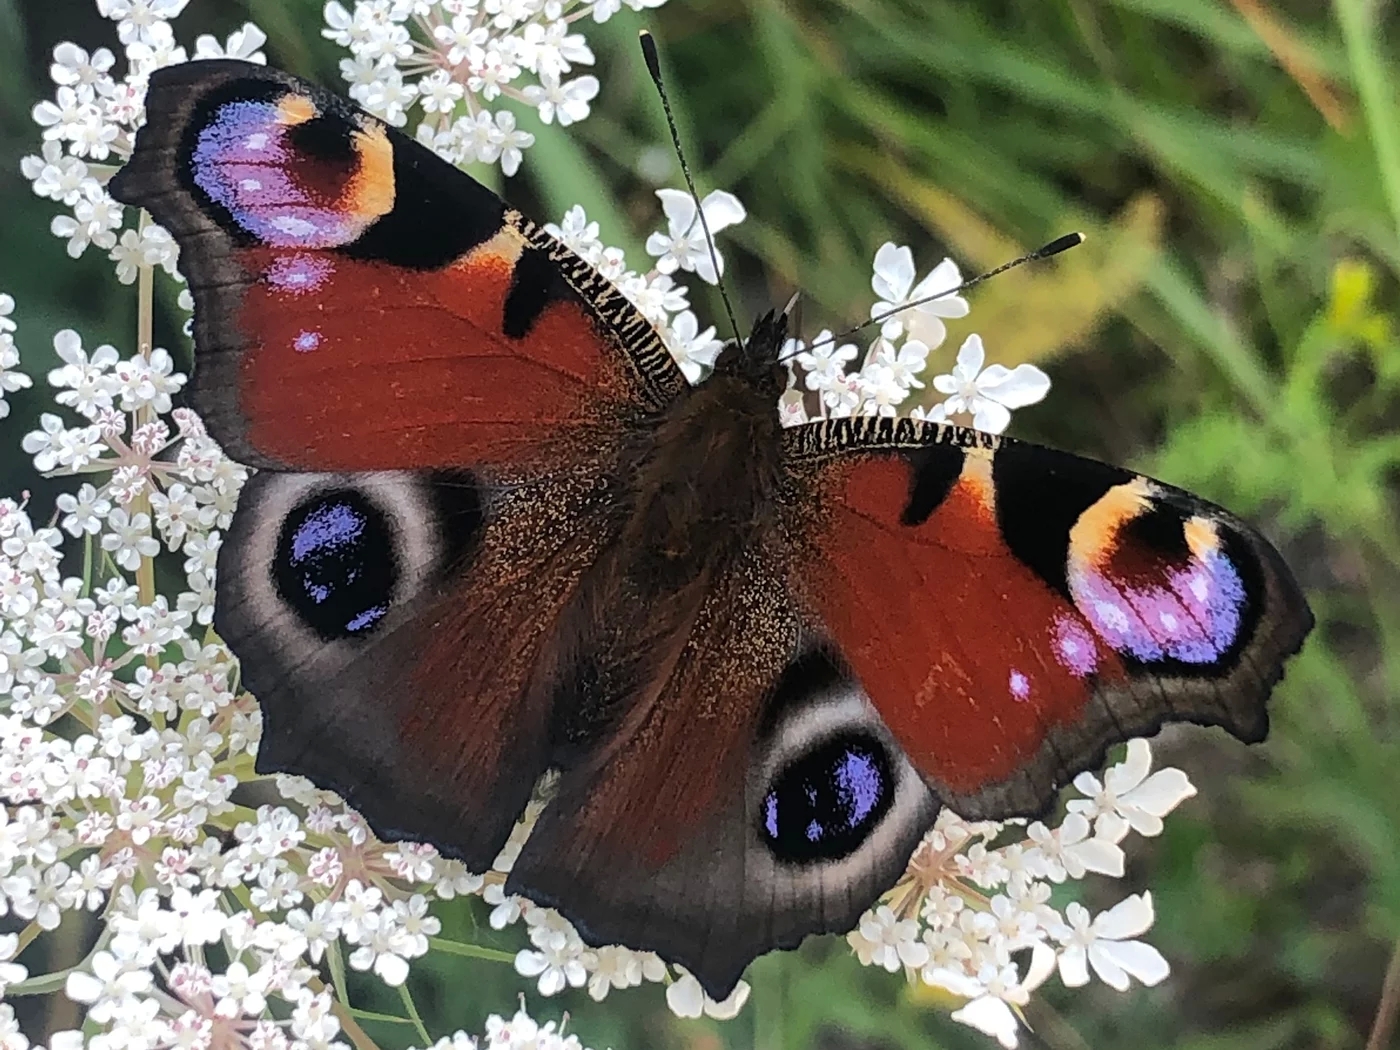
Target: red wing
[[1012, 610], [360, 304]]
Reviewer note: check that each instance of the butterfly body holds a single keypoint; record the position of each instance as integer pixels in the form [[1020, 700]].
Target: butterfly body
[[496, 533]]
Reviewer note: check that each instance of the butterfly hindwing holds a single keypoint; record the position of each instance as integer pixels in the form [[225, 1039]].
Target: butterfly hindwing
[[329, 252], [1013, 610], [753, 799], [397, 630]]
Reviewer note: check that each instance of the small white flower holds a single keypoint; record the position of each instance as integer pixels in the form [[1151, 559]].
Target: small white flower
[[72, 67], [556, 968], [55, 446], [1128, 798], [880, 389], [883, 939], [567, 101], [824, 363], [1072, 849], [578, 233], [683, 246], [110, 985], [85, 383], [694, 350], [95, 217], [1108, 944], [137, 19], [130, 539], [389, 97], [893, 282], [988, 394], [511, 141], [438, 92]]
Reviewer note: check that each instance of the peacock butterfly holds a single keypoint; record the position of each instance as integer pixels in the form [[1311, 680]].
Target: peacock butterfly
[[495, 532]]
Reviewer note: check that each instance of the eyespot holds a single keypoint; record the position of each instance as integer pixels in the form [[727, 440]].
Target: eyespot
[[336, 565], [825, 803]]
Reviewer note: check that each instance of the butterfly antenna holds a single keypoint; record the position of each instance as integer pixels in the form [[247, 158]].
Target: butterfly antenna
[[654, 68], [1055, 247]]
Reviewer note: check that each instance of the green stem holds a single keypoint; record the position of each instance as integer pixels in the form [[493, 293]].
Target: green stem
[[337, 967], [1358, 19], [371, 1015], [412, 1009], [27, 936], [472, 951]]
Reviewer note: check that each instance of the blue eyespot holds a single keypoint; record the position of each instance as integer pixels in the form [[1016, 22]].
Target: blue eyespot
[[336, 566], [823, 805]]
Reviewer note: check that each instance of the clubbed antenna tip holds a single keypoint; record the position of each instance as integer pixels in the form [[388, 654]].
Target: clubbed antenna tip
[[649, 54], [1059, 244]]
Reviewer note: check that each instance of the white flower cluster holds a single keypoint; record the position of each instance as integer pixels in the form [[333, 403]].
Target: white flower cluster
[[974, 903], [123, 735], [819, 387], [91, 121], [124, 731], [452, 59], [911, 327], [10, 380]]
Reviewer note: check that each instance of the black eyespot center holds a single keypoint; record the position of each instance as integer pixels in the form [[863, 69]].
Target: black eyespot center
[[824, 804], [336, 564]]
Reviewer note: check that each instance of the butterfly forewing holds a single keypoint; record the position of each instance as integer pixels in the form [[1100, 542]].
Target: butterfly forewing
[[1013, 610], [328, 252]]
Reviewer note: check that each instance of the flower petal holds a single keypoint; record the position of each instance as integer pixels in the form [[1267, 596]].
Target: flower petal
[[1133, 770], [1161, 793], [992, 1017], [722, 209], [970, 357], [1074, 967], [685, 997], [990, 416], [945, 384], [894, 272], [1139, 959], [731, 1006], [1024, 385], [1106, 968], [944, 278], [954, 981], [1130, 917], [1042, 966], [679, 207], [925, 326]]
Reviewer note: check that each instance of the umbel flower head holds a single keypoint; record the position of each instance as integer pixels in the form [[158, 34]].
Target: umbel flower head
[[124, 730]]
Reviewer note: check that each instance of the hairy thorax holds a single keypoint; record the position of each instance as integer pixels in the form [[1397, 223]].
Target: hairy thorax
[[704, 478]]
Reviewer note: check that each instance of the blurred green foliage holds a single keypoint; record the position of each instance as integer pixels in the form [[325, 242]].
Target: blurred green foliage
[[1232, 326]]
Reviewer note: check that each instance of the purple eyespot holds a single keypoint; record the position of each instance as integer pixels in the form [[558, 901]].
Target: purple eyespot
[[1192, 615], [243, 160], [823, 805], [335, 566]]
